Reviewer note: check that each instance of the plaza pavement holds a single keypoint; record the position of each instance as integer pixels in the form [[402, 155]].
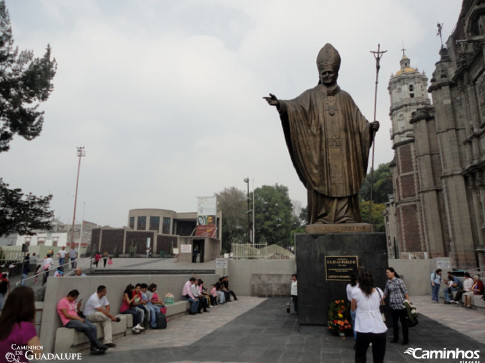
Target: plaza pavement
[[259, 330]]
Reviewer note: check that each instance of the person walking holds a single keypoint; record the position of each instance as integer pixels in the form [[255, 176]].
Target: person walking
[[294, 293], [62, 253], [25, 268], [369, 325], [73, 256], [397, 292], [47, 265], [435, 286], [105, 258], [97, 257]]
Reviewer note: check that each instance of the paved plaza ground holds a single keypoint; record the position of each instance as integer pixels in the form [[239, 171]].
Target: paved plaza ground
[[259, 330], [256, 329]]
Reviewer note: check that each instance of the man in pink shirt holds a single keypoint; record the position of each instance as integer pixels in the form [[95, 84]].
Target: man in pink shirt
[[187, 295], [67, 310]]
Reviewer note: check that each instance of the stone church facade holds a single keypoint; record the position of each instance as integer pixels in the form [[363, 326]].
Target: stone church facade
[[438, 205]]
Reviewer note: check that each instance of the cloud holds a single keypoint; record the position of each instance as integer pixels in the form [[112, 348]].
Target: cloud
[[166, 96]]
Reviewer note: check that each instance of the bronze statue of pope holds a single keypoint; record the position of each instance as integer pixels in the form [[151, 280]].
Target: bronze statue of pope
[[329, 141]]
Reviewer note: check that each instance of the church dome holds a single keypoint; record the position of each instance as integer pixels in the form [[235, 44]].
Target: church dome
[[405, 66]]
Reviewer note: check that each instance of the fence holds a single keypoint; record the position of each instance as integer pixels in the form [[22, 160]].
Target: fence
[[260, 251]]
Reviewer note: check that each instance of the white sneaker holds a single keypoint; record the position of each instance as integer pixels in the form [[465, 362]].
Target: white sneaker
[[135, 330], [139, 327]]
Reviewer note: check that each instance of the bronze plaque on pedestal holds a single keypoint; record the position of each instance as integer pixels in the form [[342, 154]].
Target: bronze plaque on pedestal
[[339, 268]]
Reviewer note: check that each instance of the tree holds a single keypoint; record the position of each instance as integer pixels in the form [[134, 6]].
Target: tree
[[25, 81], [20, 213], [377, 216], [274, 219], [382, 185], [233, 205]]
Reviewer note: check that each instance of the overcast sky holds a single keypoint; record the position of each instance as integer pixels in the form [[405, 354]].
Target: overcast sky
[[166, 96]]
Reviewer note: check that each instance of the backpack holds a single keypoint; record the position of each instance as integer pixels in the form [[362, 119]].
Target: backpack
[[161, 321]]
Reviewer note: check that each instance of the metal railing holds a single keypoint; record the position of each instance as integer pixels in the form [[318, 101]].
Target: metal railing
[[248, 251], [42, 272]]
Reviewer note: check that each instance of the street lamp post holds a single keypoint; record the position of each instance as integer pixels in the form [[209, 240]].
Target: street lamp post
[[80, 153], [246, 180]]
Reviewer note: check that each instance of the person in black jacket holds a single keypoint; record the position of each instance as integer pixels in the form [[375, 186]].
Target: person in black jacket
[[225, 282]]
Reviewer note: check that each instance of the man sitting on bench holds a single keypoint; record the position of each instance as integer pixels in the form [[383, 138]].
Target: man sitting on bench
[[66, 308], [97, 310]]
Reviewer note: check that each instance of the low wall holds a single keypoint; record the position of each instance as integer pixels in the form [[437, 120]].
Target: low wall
[[243, 274], [57, 288], [247, 276], [416, 274]]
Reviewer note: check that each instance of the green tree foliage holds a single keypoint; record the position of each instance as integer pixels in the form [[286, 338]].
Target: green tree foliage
[[274, 218], [20, 213], [382, 185], [377, 217], [25, 81], [232, 203]]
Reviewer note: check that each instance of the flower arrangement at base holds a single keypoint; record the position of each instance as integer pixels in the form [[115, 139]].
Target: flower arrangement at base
[[339, 321]]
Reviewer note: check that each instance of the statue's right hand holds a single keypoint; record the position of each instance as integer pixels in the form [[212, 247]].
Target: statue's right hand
[[272, 100]]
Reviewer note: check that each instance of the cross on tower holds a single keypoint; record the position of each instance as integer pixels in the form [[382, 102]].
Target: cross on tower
[[403, 50]]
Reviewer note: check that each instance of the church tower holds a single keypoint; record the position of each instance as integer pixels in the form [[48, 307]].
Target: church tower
[[404, 219]]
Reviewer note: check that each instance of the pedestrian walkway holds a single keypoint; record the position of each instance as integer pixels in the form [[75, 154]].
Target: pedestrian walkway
[[470, 322], [259, 330]]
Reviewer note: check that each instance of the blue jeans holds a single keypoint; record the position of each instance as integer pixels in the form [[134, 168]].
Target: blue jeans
[[61, 261], [352, 315], [2, 300], [153, 314], [447, 295], [137, 315], [435, 290], [89, 329], [194, 304]]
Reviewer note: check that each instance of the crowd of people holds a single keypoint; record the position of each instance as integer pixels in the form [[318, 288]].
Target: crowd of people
[[202, 299], [455, 289], [141, 300]]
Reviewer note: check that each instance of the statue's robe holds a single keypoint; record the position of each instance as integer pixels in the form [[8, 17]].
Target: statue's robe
[[328, 140]]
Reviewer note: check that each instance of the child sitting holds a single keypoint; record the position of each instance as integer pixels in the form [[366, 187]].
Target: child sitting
[[213, 295]]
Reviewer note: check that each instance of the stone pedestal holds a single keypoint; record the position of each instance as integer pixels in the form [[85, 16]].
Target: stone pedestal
[[315, 289]]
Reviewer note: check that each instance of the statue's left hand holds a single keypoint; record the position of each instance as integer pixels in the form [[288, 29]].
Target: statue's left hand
[[374, 126]]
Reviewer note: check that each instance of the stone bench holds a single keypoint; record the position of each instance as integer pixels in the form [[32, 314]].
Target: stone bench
[[476, 300], [178, 308], [71, 341]]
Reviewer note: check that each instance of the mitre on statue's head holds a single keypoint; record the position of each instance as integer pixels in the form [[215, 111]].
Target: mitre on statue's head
[[328, 57]]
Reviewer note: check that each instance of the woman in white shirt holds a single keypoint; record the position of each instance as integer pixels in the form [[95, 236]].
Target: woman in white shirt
[[350, 287], [368, 320]]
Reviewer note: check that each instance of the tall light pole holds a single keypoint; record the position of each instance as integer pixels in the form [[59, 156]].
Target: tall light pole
[[80, 153], [254, 224], [246, 180]]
